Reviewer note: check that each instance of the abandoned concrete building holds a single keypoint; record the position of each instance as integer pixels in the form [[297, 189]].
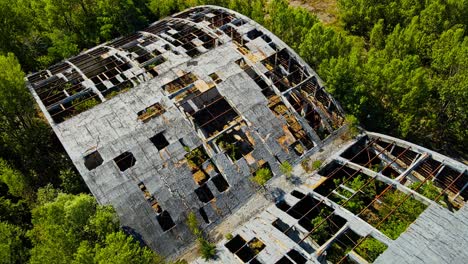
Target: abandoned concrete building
[[178, 117]]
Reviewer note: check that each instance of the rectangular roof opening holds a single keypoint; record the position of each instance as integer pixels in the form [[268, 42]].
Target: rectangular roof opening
[[125, 161]]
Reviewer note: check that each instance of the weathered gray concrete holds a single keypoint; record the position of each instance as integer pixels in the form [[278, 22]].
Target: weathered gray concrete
[[112, 128], [273, 109]]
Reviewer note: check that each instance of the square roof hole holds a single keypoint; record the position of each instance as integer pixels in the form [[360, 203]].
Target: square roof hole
[[220, 183], [125, 160], [150, 112], [165, 220], [266, 38], [255, 261], [245, 254], [235, 243], [204, 193], [297, 257], [284, 260], [280, 225], [204, 215], [93, 160], [159, 141], [330, 168], [215, 77], [254, 33], [297, 194], [256, 245], [200, 177], [283, 205]]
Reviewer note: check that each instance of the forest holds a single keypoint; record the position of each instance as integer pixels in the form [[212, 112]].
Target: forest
[[399, 66]]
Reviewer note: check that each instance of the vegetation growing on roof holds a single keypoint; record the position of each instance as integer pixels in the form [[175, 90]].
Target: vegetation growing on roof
[[207, 250], [286, 168], [400, 69], [82, 105], [316, 164], [262, 175]]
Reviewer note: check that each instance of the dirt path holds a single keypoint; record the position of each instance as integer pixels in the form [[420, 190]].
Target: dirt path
[[326, 10]]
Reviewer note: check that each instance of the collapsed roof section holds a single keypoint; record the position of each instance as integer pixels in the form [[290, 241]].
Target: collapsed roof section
[[179, 116], [79, 83], [375, 200]]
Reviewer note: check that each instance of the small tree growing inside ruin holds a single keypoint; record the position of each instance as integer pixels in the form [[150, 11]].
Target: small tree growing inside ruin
[[353, 123], [316, 164], [193, 224], [286, 168], [262, 175], [207, 250]]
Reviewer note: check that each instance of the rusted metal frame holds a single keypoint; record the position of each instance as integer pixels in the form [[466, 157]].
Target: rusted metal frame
[[368, 154], [331, 221], [42, 91], [205, 106], [195, 47], [117, 65], [392, 211], [450, 185], [72, 88], [312, 108], [342, 204], [357, 191], [68, 108], [388, 187], [452, 188], [119, 43], [322, 200], [114, 60], [53, 97], [216, 117]]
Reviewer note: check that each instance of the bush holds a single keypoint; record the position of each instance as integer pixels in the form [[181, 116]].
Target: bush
[[229, 236], [262, 175], [193, 225], [353, 123], [316, 164], [286, 168], [207, 249]]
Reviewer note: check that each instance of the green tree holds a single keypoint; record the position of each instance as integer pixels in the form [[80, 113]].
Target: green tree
[[17, 184], [377, 36], [74, 228], [71, 182], [12, 245], [192, 223], [322, 43], [122, 249]]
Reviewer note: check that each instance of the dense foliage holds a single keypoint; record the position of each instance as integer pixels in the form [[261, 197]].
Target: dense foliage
[[399, 66]]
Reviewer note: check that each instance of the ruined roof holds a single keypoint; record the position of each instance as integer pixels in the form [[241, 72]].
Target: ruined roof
[[286, 225], [176, 118]]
